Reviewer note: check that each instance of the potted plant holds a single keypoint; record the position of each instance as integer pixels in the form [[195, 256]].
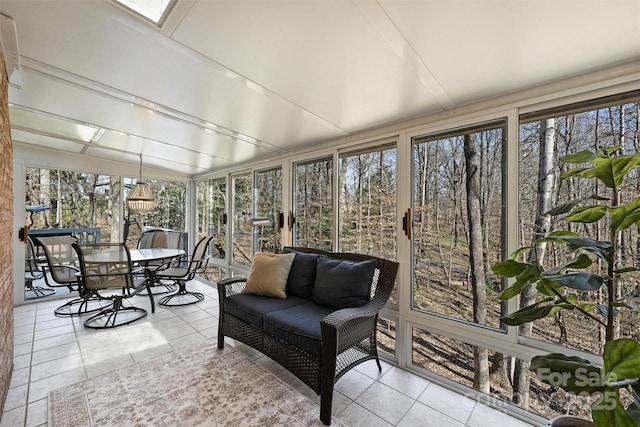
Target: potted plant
[[592, 266]]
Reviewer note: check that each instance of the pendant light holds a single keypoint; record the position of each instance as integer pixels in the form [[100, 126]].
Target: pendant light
[[140, 198]]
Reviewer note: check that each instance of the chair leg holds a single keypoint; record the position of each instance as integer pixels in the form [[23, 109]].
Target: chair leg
[[183, 296], [87, 303], [38, 291], [109, 318]]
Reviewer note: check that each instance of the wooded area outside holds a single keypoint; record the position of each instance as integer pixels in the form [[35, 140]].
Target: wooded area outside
[[446, 198], [313, 204], [64, 199]]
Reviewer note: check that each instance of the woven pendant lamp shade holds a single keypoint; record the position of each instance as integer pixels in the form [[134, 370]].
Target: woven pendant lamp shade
[[140, 198]]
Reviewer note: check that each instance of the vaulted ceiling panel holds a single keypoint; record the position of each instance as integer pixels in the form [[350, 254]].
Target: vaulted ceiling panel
[[325, 57], [489, 48]]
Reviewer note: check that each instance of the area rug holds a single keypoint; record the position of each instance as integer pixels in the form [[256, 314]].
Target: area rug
[[195, 386]]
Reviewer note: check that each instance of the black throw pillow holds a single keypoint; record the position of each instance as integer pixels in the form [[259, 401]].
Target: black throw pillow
[[341, 283], [302, 275]]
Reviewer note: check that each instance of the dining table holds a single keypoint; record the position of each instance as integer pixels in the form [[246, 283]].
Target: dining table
[[154, 254], [138, 256]]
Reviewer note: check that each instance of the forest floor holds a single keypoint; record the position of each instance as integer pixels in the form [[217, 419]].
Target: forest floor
[[455, 359]]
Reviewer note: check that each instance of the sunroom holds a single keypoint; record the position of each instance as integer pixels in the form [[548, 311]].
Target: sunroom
[[351, 126]]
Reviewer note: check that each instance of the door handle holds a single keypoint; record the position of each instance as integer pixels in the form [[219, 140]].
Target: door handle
[[407, 220], [292, 220], [280, 220]]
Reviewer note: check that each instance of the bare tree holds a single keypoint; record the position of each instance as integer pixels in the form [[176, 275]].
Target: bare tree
[[481, 359], [542, 223]]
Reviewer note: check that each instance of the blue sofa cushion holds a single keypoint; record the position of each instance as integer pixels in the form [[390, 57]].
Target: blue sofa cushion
[[341, 283], [299, 326], [302, 275], [252, 308]]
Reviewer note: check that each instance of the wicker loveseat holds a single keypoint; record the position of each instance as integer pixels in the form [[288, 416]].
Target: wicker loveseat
[[315, 342]]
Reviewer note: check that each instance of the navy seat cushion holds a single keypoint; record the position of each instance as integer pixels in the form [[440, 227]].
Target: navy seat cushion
[[341, 283], [302, 275], [252, 308], [299, 326]]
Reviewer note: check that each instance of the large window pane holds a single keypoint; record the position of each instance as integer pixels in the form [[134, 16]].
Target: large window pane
[[455, 360], [268, 206], [242, 225], [73, 200], [544, 139], [168, 213], [313, 187], [457, 223], [211, 196], [367, 220]]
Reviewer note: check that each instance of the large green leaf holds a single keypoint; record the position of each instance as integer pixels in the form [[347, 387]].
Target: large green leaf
[[512, 291], [581, 281], [608, 411], [583, 156], [633, 410], [573, 172], [568, 206], [582, 261], [622, 359], [530, 313], [546, 287], [570, 373], [509, 268], [626, 270], [612, 170], [600, 248], [587, 214], [623, 217]]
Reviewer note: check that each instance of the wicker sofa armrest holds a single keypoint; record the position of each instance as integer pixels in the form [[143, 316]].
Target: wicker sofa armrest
[[349, 326], [230, 286]]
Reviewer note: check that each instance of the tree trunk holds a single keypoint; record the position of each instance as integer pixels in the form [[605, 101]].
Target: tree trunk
[[481, 360], [542, 225]]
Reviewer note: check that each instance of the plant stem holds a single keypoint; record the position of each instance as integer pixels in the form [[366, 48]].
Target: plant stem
[[586, 313]]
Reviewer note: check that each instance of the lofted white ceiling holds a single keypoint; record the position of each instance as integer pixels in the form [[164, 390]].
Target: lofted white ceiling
[[224, 82]]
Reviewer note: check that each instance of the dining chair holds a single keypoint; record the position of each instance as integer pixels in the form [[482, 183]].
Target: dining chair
[[106, 272], [181, 271], [63, 269], [171, 239], [33, 270]]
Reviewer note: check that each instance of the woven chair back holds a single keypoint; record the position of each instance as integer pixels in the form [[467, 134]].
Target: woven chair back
[[105, 265], [62, 260]]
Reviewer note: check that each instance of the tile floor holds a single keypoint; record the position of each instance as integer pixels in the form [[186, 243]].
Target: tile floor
[[52, 351]]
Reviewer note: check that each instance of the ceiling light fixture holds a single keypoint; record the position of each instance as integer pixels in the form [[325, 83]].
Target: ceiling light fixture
[[140, 198]]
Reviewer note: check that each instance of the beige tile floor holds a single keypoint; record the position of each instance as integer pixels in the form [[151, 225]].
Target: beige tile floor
[[52, 351]]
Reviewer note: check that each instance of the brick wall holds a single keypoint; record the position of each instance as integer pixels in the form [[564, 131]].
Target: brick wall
[[6, 238]]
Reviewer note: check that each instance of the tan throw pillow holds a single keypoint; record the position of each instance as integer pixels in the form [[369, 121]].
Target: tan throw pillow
[[269, 273]]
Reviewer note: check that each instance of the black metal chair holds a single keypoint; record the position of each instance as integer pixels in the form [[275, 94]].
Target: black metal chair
[[33, 270], [63, 270], [106, 273], [181, 271]]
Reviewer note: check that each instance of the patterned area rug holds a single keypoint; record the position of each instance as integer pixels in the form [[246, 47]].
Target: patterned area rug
[[194, 386]]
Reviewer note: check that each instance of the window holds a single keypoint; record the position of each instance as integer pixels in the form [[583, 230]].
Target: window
[[545, 137], [313, 195], [455, 360], [76, 200], [168, 213], [211, 214], [457, 218], [242, 222], [155, 11], [367, 219], [268, 207]]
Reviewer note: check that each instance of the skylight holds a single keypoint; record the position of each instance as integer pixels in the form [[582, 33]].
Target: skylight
[[153, 10]]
